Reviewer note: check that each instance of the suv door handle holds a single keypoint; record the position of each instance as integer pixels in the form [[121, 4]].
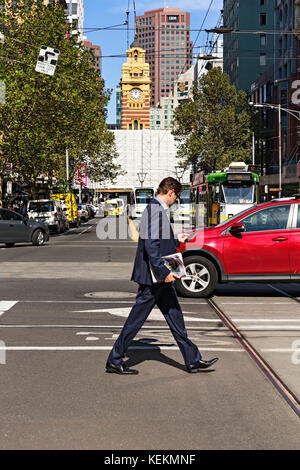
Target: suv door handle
[[280, 239]]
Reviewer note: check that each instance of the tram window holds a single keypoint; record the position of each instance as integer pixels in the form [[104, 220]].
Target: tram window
[[236, 194]]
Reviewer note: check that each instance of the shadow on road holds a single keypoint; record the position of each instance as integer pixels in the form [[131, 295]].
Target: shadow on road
[[136, 356]]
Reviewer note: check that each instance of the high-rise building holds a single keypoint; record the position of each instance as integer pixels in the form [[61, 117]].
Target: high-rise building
[[77, 16], [280, 85], [246, 56], [165, 35], [135, 84], [162, 116], [96, 51]]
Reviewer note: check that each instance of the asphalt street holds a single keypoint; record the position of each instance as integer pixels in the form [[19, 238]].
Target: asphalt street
[[61, 308]]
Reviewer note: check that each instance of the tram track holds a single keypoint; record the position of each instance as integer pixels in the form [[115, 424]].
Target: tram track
[[263, 365]]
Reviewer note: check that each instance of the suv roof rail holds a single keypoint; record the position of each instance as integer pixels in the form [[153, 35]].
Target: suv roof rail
[[291, 198]]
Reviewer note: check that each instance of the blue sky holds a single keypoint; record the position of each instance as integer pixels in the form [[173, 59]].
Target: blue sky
[[103, 13]]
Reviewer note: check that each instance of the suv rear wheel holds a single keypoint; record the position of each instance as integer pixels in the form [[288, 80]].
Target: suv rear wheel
[[201, 277], [38, 238]]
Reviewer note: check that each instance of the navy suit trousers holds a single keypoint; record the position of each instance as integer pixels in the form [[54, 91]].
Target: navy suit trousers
[[164, 296]]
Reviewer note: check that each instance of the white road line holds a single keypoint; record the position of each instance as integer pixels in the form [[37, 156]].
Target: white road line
[[6, 305], [146, 327], [270, 328], [287, 350], [271, 320], [98, 301], [256, 303], [105, 348], [155, 314], [155, 327]]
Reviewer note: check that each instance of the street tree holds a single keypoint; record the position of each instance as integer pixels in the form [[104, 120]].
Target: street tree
[[43, 115], [213, 127]]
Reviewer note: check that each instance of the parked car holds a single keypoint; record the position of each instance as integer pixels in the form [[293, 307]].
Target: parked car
[[258, 244], [14, 228], [48, 211], [83, 212]]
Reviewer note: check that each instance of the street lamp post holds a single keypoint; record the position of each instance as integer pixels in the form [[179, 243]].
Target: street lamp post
[[295, 114]]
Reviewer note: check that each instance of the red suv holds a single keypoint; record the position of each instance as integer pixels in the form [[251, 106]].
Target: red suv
[[259, 244]]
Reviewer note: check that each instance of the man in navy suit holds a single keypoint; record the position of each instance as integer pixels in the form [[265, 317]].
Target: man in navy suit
[[156, 283]]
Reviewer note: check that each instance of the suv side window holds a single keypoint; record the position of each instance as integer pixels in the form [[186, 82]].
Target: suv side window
[[298, 216], [271, 218]]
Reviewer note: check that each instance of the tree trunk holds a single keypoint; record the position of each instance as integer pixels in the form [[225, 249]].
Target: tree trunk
[[33, 188]]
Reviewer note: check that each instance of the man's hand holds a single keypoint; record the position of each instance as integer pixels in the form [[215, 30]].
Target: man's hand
[[182, 237], [171, 277]]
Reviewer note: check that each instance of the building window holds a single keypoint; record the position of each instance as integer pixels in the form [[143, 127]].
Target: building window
[[262, 59], [263, 19], [263, 40]]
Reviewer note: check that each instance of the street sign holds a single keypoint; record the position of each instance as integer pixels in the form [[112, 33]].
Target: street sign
[[47, 60]]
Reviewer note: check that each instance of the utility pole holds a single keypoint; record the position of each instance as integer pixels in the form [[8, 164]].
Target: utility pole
[[67, 168], [279, 148], [297, 34]]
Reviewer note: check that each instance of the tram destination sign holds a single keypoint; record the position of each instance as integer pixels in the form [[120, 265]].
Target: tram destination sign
[[231, 177]]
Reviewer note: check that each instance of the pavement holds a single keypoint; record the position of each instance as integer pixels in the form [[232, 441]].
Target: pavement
[[61, 308]]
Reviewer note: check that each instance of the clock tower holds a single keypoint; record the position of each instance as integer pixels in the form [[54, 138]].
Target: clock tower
[[136, 91]]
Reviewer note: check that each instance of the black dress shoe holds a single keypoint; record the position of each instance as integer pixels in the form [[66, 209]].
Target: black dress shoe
[[192, 368], [119, 369]]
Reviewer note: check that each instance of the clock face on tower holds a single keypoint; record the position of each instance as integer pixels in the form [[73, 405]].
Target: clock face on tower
[[136, 94]]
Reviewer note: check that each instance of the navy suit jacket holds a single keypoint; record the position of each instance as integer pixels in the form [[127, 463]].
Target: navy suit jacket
[[156, 240]]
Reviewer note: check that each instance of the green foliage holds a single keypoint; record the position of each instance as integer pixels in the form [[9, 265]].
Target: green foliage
[[214, 127], [44, 115]]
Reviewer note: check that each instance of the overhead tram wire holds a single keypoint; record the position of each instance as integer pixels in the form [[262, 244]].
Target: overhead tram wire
[[157, 28], [212, 47], [176, 81], [205, 17]]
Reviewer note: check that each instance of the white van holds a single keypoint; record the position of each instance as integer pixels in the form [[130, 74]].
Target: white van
[[49, 211]]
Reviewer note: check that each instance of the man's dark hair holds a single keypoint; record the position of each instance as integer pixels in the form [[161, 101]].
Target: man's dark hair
[[167, 184]]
